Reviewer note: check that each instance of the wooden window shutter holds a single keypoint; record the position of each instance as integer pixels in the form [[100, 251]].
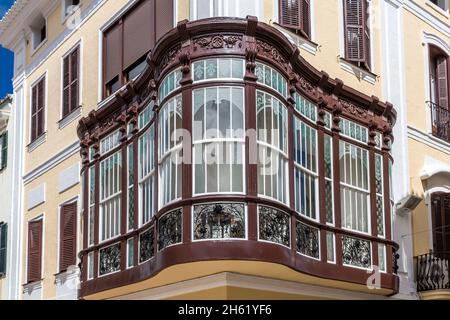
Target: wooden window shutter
[[3, 247], [34, 261], [442, 82], [306, 17], [66, 86], [357, 33], [4, 150], [68, 236], [70, 82], [138, 32], [40, 108], [295, 14], [441, 224], [34, 108]]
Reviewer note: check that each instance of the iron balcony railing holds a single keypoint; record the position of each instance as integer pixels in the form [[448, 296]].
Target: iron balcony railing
[[432, 271], [440, 119]]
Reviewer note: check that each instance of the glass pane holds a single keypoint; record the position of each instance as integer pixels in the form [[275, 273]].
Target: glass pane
[[224, 68], [224, 112]]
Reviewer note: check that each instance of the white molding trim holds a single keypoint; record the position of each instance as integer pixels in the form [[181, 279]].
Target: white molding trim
[[52, 162], [69, 118], [426, 16], [36, 143], [248, 282], [358, 72], [298, 40], [430, 38], [429, 140]]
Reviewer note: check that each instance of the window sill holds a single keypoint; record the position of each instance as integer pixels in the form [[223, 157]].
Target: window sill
[[298, 40], [437, 9], [358, 72], [65, 16], [39, 47], [67, 275], [36, 143], [31, 286], [64, 122]]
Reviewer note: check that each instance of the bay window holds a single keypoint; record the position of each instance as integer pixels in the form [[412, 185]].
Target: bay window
[[201, 9], [354, 175], [170, 148], [218, 140], [271, 125]]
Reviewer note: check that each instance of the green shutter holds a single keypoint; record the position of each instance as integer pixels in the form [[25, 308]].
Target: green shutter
[[3, 246], [4, 151]]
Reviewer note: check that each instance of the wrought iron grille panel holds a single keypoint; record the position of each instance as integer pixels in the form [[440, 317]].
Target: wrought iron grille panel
[[356, 252], [146, 245], [110, 259], [440, 119], [433, 272], [274, 225], [169, 229], [308, 240], [219, 221]]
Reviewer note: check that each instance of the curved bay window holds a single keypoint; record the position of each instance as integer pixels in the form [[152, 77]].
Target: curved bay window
[[236, 138]]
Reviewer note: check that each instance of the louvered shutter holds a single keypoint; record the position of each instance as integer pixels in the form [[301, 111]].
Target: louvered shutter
[[41, 108], [440, 207], [357, 33], [3, 247], [306, 17], [4, 150], [34, 263], [68, 244], [74, 72], [290, 14], [442, 82], [34, 108], [66, 86]]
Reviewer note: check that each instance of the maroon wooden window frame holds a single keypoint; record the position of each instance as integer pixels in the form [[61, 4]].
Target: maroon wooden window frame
[[440, 209], [440, 68], [357, 32], [38, 110], [68, 236], [34, 257], [128, 41], [71, 72], [296, 15]]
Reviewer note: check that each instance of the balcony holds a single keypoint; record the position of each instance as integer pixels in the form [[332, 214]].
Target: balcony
[[432, 272], [440, 120]]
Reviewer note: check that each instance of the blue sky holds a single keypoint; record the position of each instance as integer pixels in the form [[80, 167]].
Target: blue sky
[[6, 58]]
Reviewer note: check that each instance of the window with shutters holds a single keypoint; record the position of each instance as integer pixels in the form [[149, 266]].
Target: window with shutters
[[34, 257], [201, 9], [296, 15], [439, 93], [128, 41], [357, 32], [3, 247], [68, 236], [3, 150], [71, 72], [440, 216], [37, 110]]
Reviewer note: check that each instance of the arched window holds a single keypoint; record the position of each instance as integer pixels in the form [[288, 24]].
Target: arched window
[[440, 216]]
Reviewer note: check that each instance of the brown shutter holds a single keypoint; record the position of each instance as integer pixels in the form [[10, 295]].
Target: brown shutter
[[440, 210], [138, 32], [66, 86], [34, 262], [33, 113], [290, 14], [113, 53], [164, 17], [442, 82], [354, 22], [74, 72], [306, 20], [41, 108], [68, 236]]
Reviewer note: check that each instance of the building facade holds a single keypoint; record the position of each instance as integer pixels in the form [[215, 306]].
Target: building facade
[[231, 149]]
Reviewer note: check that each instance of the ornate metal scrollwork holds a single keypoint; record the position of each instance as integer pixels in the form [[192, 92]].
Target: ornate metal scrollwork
[[146, 245], [219, 221], [274, 225], [308, 240], [169, 229], [110, 259], [356, 252]]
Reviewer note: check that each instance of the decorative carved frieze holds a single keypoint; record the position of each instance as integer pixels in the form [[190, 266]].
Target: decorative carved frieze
[[218, 42], [353, 109], [269, 51]]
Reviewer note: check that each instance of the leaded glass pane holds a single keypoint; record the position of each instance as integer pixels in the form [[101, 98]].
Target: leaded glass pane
[[307, 240], [170, 229], [356, 252], [353, 130], [219, 221], [146, 245], [331, 247], [272, 78], [274, 225], [109, 259], [130, 253]]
